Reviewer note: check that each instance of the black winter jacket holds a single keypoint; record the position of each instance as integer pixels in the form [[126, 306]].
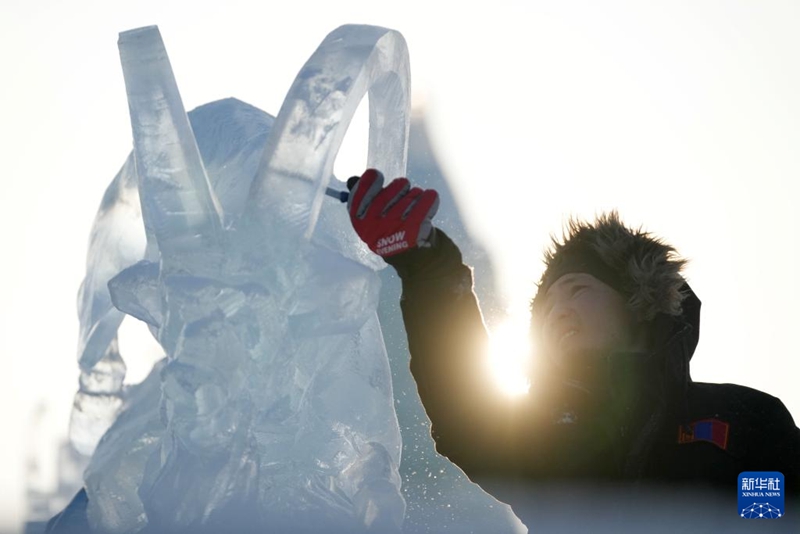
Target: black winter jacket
[[657, 427]]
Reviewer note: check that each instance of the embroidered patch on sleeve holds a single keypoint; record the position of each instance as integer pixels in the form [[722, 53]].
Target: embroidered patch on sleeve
[[711, 430]]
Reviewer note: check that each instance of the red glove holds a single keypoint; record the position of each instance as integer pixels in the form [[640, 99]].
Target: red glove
[[391, 219]]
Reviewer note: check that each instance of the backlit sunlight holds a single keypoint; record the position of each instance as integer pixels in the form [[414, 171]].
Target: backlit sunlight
[[509, 355]]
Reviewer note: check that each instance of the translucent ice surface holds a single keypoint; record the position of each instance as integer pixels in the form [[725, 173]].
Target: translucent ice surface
[[273, 407], [117, 241]]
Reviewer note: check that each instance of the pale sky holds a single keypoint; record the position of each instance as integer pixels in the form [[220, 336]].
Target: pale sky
[[684, 115]]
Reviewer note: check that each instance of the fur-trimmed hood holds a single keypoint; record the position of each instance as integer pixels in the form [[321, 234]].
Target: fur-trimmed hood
[[643, 268]]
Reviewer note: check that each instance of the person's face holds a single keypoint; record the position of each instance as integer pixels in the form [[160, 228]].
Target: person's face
[[583, 316]]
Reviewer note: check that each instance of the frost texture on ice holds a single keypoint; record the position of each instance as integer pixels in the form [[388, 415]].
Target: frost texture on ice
[[273, 406]]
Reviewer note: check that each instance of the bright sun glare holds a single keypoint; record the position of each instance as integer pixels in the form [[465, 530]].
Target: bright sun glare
[[509, 355]]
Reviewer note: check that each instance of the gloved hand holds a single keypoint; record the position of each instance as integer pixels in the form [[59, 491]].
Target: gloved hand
[[391, 219]]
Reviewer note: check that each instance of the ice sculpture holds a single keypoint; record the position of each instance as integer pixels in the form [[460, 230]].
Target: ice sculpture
[[273, 408]]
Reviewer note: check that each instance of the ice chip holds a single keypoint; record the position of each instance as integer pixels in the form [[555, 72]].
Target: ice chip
[[135, 292]]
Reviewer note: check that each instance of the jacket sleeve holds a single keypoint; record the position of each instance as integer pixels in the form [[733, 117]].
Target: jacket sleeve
[[473, 422]]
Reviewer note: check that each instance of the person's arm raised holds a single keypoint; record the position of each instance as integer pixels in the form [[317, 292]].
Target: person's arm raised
[[473, 423]]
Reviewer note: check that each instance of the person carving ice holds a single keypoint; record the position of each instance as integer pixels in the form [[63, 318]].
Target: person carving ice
[[617, 325]]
